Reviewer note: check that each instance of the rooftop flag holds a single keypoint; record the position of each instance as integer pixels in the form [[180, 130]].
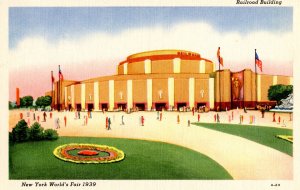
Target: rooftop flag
[[219, 57], [60, 75], [258, 62]]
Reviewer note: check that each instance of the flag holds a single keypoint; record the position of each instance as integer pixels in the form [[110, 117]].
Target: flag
[[258, 62], [219, 57], [60, 75], [52, 77]]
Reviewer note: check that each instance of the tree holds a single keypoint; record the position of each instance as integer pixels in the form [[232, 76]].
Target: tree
[[26, 101], [43, 101], [12, 105], [20, 132], [36, 132], [279, 92]]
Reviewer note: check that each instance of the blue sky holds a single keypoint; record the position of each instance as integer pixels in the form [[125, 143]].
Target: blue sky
[[58, 23]]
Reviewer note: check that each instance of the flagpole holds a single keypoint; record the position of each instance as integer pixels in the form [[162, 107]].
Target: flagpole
[[52, 90], [255, 78], [58, 94], [219, 81]]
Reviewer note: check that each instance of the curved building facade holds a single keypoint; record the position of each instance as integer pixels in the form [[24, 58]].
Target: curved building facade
[[167, 79]]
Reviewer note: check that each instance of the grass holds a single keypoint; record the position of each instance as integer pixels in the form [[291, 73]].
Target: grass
[[143, 160], [262, 135]]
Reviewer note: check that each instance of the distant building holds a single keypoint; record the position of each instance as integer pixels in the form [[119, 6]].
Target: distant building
[[168, 79]]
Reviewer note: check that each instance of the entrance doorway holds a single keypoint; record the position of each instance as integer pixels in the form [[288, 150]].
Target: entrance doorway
[[78, 107], [140, 107], [160, 106], [181, 105], [122, 106], [104, 106], [90, 107]]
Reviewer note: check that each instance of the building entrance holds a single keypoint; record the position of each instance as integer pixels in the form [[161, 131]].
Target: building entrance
[[140, 107], [160, 106]]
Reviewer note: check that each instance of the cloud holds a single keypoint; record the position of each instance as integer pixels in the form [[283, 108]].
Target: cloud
[[236, 48]]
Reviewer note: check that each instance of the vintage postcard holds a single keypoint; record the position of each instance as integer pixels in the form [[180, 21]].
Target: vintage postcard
[[148, 95]]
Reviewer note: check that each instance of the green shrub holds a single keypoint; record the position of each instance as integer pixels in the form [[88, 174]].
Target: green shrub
[[50, 134], [36, 132], [20, 132]]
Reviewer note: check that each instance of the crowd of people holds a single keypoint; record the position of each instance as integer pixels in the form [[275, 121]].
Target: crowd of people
[[241, 114]]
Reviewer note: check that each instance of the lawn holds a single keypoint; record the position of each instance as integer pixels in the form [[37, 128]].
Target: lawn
[[262, 135], [143, 160]]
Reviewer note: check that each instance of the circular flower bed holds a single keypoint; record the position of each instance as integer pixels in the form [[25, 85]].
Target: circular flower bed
[[88, 153]]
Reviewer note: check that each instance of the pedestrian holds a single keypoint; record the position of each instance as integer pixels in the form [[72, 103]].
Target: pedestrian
[[79, 115], [232, 115], [21, 115], [189, 123], [198, 117], [57, 123], [44, 115], [274, 120], [90, 114], [33, 116], [193, 110], [50, 115], [245, 109], [240, 119], [122, 120], [160, 116], [86, 119], [218, 118], [229, 119], [178, 119], [142, 120], [215, 118], [157, 113], [38, 118], [279, 120], [65, 120], [106, 123], [109, 123]]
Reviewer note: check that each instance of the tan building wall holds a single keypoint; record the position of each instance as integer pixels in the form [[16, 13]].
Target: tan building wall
[[160, 85], [201, 88], [139, 91], [77, 93], [103, 92], [189, 66], [162, 66], [266, 82], [89, 93], [121, 69], [120, 92], [181, 89], [209, 67], [136, 68], [283, 80]]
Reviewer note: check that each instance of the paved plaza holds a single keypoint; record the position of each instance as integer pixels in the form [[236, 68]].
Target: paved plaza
[[242, 158]]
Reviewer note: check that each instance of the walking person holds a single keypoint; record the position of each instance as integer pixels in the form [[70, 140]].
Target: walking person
[[215, 118], [274, 120], [50, 115], [38, 118], [44, 115], [218, 118], [65, 120], [78, 114], [198, 117], [232, 115], [279, 119], [106, 123], [122, 120], [142, 120], [21, 116], [57, 123], [178, 119], [33, 116], [189, 123], [86, 119], [157, 113], [109, 123], [160, 116]]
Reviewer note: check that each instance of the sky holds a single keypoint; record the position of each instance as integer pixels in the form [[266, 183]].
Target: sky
[[90, 42]]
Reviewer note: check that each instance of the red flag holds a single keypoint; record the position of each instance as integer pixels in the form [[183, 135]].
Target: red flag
[[52, 78], [60, 75], [258, 62], [219, 57]]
